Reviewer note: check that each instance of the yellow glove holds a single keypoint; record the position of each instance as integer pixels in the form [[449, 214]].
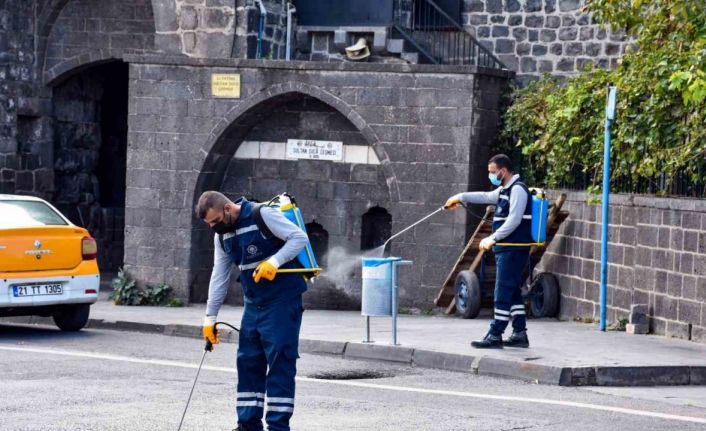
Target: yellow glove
[[266, 270], [209, 329], [487, 243], [453, 202]]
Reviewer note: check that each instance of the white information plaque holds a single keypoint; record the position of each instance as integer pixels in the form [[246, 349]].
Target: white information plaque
[[314, 150]]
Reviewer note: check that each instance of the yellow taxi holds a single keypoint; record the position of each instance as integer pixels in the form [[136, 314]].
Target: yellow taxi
[[47, 264]]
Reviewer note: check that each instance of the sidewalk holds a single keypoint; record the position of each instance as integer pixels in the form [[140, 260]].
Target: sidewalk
[[561, 353]]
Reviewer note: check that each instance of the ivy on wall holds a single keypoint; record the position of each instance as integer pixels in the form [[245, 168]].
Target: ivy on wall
[[660, 130]]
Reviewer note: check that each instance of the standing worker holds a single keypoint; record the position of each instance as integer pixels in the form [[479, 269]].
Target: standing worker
[[268, 347], [512, 224]]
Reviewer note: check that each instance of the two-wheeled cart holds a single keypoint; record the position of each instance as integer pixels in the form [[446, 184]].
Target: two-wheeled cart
[[471, 282]]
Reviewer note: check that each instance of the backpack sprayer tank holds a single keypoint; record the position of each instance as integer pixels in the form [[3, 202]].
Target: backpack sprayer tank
[[306, 259], [540, 210]]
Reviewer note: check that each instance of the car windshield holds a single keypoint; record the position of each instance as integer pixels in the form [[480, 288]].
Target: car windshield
[[15, 214]]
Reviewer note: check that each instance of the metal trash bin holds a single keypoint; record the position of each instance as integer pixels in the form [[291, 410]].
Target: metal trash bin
[[376, 298], [379, 291]]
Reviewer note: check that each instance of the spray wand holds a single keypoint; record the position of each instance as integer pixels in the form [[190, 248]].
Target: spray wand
[[411, 226], [207, 348]]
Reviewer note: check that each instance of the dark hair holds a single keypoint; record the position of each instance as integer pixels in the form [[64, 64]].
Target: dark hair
[[208, 200], [501, 161]]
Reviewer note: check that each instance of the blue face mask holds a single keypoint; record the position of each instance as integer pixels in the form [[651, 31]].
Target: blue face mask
[[494, 179]]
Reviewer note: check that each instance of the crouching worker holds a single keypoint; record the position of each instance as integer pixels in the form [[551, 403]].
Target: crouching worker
[[511, 225], [269, 331]]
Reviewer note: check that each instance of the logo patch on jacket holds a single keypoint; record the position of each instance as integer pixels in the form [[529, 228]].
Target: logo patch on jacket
[[252, 250]]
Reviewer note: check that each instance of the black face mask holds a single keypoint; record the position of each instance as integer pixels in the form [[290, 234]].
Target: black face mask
[[222, 227]]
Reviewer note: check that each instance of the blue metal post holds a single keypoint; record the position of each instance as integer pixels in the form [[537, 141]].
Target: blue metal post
[[609, 117]]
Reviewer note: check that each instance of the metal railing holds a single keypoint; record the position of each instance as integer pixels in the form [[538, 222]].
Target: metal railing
[[681, 185], [439, 37]]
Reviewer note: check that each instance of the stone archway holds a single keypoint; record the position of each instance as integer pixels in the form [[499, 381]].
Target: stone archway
[[220, 152], [89, 122], [74, 65], [238, 124], [73, 34]]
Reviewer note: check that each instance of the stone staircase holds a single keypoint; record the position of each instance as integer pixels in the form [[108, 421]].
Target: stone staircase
[[397, 46]]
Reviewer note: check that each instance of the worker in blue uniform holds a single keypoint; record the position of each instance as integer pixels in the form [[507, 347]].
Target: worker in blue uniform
[[269, 332], [512, 223]]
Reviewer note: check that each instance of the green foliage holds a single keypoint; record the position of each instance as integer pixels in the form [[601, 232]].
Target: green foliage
[[618, 325], [659, 130], [126, 292], [175, 302], [156, 295]]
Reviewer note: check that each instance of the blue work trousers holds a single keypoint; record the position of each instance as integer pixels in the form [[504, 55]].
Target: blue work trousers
[[509, 269], [267, 363]]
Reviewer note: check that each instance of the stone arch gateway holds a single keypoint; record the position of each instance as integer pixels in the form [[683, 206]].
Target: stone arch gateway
[[268, 172], [430, 129]]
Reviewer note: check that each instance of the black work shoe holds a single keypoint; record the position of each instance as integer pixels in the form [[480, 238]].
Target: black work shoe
[[490, 341], [517, 339]]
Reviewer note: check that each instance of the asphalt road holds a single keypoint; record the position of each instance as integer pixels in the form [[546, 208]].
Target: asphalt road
[[107, 380]]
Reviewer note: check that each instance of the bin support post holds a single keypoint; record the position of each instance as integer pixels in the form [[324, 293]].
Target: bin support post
[[366, 330], [395, 289]]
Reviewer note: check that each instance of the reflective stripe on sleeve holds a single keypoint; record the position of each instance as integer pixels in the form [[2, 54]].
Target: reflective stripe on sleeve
[[243, 230], [249, 266]]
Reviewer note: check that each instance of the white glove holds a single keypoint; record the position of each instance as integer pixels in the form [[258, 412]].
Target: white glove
[[487, 243]]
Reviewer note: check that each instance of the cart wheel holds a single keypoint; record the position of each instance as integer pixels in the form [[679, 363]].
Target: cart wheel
[[467, 295], [544, 296]]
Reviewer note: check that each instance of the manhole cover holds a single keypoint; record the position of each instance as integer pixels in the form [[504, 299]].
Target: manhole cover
[[350, 375]]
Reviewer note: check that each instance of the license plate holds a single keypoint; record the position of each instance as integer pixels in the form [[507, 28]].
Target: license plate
[[37, 290]]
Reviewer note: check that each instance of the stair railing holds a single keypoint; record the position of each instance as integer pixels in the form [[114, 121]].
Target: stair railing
[[443, 39]]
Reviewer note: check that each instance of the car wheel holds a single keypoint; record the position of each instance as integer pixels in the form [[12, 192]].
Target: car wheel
[[467, 295], [73, 317], [544, 300]]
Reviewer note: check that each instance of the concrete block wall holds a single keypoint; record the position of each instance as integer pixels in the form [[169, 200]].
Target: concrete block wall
[[533, 37], [657, 256]]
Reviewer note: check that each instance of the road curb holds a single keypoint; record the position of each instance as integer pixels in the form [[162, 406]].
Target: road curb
[[522, 370], [443, 361], [379, 352], [480, 365]]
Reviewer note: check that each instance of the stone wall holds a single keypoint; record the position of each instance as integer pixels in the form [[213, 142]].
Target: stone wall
[[274, 37], [85, 26], [533, 37], [198, 28], [23, 162], [335, 195], [89, 140], [430, 141], [53, 81], [657, 256], [40, 42]]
